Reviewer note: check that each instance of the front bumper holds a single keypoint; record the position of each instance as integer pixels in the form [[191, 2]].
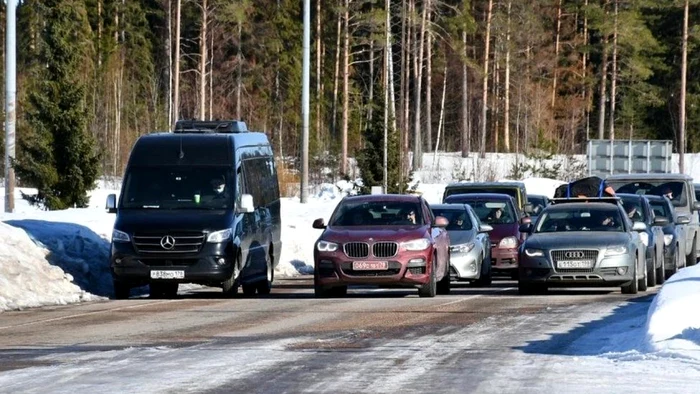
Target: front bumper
[[466, 265], [212, 265], [504, 259], [604, 273], [406, 269]]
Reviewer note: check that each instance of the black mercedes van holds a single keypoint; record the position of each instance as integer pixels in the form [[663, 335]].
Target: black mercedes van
[[197, 205]]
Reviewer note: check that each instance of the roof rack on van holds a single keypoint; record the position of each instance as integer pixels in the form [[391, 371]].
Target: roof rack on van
[[210, 126], [565, 200]]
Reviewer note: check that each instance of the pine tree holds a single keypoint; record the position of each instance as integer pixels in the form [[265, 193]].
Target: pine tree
[[371, 157], [59, 158]]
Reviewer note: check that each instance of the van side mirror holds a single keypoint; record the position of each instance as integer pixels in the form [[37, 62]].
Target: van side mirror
[[527, 208], [525, 228], [660, 221], [319, 224], [485, 228], [246, 205], [696, 206], [682, 219], [111, 205]]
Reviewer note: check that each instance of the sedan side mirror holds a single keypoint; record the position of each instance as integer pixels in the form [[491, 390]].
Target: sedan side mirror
[[485, 228], [526, 220], [246, 205], [525, 228], [660, 221], [682, 219], [441, 221], [111, 205], [639, 226], [319, 224], [696, 206]]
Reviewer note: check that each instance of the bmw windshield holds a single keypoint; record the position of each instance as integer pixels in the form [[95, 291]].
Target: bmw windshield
[[175, 187], [585, 219]]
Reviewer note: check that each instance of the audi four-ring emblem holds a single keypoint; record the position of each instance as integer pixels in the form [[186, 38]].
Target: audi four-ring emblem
[[574, 255], [167, 242]]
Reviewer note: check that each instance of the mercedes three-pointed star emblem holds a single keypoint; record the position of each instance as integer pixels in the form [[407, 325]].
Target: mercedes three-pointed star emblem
[[167, 242]]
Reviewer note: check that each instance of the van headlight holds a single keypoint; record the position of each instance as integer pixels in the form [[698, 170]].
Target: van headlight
[[616, 251], [668, 238], [416, 244], [219, 236], [462, 248], [508, 243], [120, 236], [325, 246]]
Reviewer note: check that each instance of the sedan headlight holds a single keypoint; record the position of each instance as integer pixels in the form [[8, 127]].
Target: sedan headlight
[[325, 246], [508, 243], [534, 252], [616, 251], [462, 248], [645, 238], [668, 238], [416, 244], [219, 236], [120, 236]]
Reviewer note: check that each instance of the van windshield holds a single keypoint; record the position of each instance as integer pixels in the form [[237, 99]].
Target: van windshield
[[176, 187], [674, 190], [511, 191]]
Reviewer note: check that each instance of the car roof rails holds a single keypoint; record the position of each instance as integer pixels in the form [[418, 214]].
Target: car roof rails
[[569, 200], [210, 126]]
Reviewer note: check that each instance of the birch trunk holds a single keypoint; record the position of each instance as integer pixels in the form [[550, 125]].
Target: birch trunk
[[319, 89], [506, 109], [556, 55], [429, 89], [176, 75], [336, 76], [465, 99], [211, 78], [371, 81], [603, 83], [485, 92], [684, 72], [613, 77], [346, 88], [387, 61], [239, 69], [203, 63], [442, 114], [169, 72], [584, 70], [418, 75], [403, 88]]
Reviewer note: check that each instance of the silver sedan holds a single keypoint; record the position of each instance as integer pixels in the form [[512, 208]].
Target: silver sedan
[[470, 245]]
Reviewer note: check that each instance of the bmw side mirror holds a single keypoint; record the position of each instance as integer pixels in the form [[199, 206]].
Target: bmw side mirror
[[111, 205], [246, 205], [485, 228], [319, 224], [525, 228], [682, 219], [639, 226], [660, 221]]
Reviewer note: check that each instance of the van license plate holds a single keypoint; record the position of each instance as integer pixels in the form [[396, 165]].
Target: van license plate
[[167, 274], [370, 265]]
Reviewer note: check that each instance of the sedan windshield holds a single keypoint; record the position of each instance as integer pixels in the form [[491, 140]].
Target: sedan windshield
[[580, 220], [175, 187], [661, 208], [633, 207], [458, 219], [377, 213]]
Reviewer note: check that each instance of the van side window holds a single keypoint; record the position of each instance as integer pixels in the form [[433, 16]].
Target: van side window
[[240, 187], [257, 175]]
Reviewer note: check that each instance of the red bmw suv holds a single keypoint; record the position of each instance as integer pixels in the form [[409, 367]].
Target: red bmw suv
[[385, 240]]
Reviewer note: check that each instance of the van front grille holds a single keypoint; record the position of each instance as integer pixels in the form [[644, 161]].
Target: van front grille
[[178, 242]]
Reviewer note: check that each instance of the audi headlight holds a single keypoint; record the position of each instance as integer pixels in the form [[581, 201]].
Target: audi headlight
[[120, 236], [416, 244], [462, 248], [508, 243], [534, 252], [325, 246], [645, 238], [668, 238], [616, 251], [219, 236]]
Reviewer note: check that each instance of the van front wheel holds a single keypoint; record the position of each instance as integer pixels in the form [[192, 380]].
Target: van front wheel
[[265, 285], [230, 286]]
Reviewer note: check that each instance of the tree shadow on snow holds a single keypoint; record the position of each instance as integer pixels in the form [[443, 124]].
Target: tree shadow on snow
[[76, 249], [620, 331]]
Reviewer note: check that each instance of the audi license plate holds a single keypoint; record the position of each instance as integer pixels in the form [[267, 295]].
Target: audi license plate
[[370, 265], [575, 264], [167, 274]]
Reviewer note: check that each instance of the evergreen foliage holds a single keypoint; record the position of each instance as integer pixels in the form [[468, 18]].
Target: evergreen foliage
[[59, 158]]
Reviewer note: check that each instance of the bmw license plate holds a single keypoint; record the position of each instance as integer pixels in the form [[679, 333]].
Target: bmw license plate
[[575, 264], [370, 265], [167, 274]]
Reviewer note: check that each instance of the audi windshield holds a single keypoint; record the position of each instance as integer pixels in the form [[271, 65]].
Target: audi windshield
[[580, 220]]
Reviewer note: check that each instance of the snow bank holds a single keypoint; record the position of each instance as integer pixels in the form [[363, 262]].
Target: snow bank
[[673, 321], [27, 279]]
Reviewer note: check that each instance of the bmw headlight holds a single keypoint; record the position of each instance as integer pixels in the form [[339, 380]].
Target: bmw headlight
[[645, 238], [462, 248], [120, 236], [616, 251], [219, 236], [668, 238], [534, 252], [325, 246], [508, 243], [416, 244]]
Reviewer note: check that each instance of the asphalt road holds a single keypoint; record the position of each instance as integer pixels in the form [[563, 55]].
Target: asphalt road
[[473, 340]]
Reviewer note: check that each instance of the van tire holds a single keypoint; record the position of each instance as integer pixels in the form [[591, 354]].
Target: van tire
[[265, 286], [122, 290], [230, 285], [691, 258]]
